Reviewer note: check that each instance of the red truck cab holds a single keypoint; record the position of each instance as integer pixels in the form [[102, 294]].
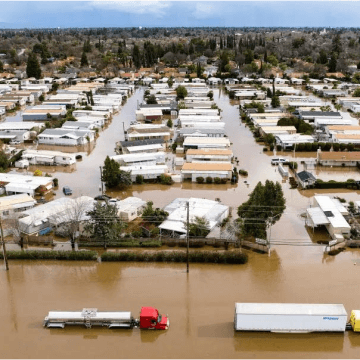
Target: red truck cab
[[151, 319]]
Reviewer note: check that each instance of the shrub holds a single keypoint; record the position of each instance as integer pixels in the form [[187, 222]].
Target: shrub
[[137, 233], [231, 257], [78, 157], [37, 172], [200, 180], [209, 180], [166, 179], [265, 149], [293, 165], [51, 255], [243, 172], [223, 181], [56, 182], [217, 180], [123, 244], [139, 179]]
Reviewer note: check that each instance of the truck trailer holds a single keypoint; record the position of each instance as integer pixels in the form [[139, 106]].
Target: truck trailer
[[291, 318], [149, 319]]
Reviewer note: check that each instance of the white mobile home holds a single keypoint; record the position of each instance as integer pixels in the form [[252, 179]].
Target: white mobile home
[[66, 137], [213, 211], [330, 213], [155, 158], [148, 172], [206, 169], [45, 157], [130, 208], [193, 142], [16, 203]]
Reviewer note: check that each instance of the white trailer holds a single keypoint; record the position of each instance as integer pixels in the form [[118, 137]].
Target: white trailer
[[290, 318]]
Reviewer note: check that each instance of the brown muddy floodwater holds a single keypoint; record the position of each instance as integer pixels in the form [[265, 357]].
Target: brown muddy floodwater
[[200, 305]]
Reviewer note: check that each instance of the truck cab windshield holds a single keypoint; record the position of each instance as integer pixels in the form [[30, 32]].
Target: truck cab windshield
[[159, 319]]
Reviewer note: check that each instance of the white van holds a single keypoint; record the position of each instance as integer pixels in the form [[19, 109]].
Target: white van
[[279, 160]]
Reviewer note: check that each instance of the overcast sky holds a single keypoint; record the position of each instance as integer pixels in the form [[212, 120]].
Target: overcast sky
[[37, 14]]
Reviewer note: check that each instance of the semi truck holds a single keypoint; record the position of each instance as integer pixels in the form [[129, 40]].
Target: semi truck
[[88, 317], [294, 318]]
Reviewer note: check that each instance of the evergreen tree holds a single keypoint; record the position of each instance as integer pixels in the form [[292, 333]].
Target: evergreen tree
[[136, 56], [265, 206], [33, 67], [113, 176], [84, 60], [322, 59], [198, 70], [332, 63], [87, 46], [275, 101]]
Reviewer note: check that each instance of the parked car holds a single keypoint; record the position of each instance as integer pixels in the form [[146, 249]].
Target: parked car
[[102, 197], [279, 160], [67, 190], [14, 142]]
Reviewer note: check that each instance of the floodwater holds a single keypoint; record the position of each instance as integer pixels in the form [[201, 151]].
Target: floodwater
[[200, 305]]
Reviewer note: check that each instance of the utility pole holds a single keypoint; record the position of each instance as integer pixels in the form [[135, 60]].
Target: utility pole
[[187, 237], [4, 247], [102, 185]]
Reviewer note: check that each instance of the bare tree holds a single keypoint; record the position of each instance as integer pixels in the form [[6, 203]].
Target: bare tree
[[69, 220]]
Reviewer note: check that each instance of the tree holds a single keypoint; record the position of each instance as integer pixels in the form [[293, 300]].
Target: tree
[[113, 176], [272, 60], [198, 70], [4, 161], [155, 216], [181, 92], [33, 67], [170, 82], [169, 123], [104, 224], [198, 227], [73, 216], [332, 63], [275, 101], [210, 95], [1, 66], [84, 60], [224, 60], [87, 46], [151, 100], [356, 93], [322, 59], [265, 206]]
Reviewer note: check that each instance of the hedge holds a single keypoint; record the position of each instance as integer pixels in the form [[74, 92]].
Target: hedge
[[230, 257], [122, 244], [51, 255], [324, 147], [319, 184]]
